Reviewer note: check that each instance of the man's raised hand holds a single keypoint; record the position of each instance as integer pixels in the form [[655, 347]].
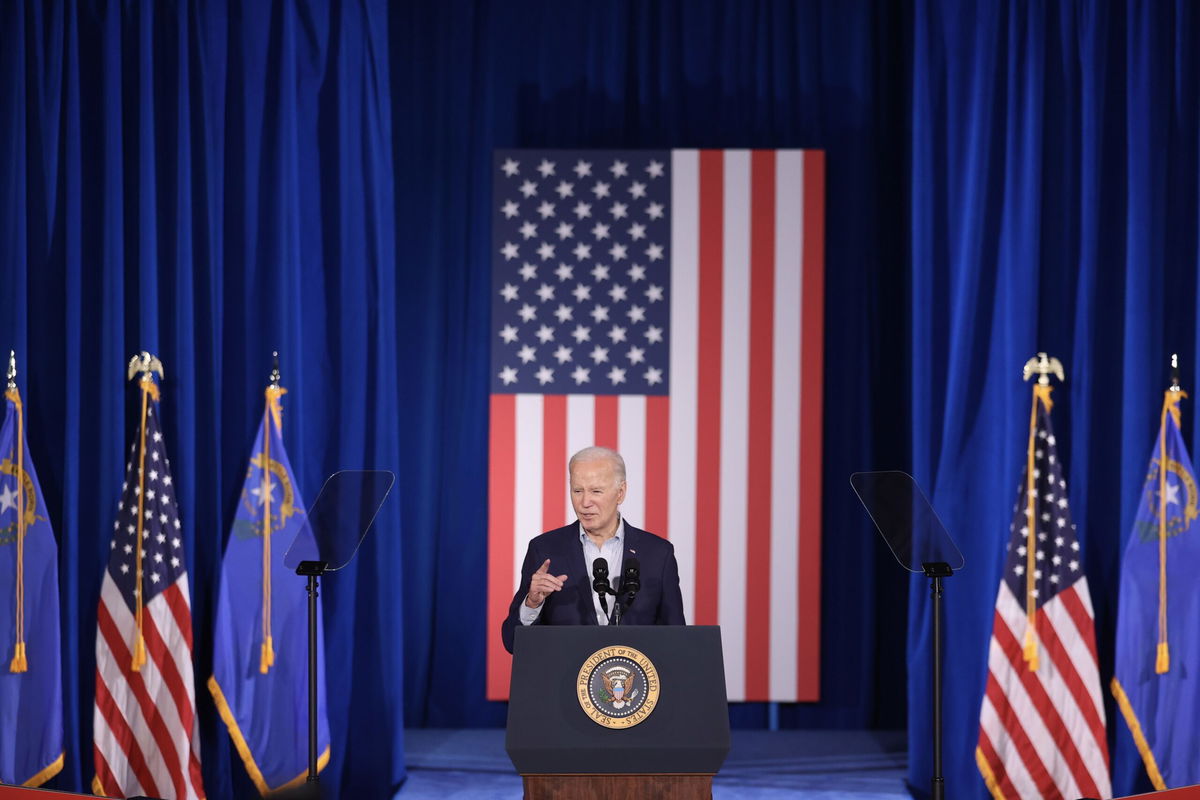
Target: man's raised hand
[[542, 584]]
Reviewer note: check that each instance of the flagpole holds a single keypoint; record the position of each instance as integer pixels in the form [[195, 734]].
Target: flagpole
[[272, 417], [1043, 366], [1171, 398], [19, 662], [147, 364]]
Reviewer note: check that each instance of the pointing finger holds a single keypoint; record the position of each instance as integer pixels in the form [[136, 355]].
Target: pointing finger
[[549, 583]]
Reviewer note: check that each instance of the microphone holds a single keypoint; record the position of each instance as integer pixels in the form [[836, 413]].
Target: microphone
[[631, 582], [600, 575], [600, 582]]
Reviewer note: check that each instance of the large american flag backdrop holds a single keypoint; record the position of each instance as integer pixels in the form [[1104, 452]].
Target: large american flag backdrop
[[668, 304], [1042, 731], [145, 734]]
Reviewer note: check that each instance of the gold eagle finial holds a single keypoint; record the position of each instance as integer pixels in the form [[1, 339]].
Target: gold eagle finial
[[145, 363], [1043, 366]]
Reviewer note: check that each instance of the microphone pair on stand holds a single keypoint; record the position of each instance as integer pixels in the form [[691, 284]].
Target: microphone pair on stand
[[631, 584]]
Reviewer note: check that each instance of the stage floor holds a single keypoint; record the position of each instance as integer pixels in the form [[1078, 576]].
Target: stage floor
[[812, 765]]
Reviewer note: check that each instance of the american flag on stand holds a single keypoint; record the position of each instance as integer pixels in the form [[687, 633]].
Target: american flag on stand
[[1041, 731], [668, 304], [145, 737]]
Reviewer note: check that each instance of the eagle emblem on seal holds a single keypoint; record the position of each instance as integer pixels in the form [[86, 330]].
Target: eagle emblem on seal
[[621, 687]]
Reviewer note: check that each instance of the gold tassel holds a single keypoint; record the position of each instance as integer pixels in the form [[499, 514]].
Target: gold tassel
[[19, 664], [1031, 652], [267, 659], [139, 653], [1163, 662]]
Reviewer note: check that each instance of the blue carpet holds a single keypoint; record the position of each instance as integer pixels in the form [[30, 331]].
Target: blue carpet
[[762, 765]]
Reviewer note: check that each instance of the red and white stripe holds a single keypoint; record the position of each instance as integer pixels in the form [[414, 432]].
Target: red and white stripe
[[145, 737], [728, 467], [1042, 733]]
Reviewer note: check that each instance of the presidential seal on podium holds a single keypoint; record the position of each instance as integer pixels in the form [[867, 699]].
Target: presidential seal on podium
[[617, 687]]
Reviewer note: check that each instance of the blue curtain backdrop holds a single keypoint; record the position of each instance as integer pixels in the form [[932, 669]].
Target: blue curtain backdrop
[[216, 180], [210, 182]]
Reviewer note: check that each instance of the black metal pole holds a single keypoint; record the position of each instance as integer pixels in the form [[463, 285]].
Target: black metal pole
[[312, 679], [939, 782]]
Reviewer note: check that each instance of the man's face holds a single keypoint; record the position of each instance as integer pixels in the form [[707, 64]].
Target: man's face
[[595, 495]]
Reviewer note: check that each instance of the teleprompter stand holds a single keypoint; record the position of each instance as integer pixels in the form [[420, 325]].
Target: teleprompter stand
[[336, 525], [920, 544]]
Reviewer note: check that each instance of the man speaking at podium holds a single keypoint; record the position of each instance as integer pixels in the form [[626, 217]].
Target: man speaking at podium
[[560, 565]]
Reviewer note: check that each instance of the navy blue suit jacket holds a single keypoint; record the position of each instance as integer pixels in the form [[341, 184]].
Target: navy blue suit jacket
[[658, 603]]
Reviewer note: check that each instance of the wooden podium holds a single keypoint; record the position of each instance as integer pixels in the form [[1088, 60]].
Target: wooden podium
[[603, 713]]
